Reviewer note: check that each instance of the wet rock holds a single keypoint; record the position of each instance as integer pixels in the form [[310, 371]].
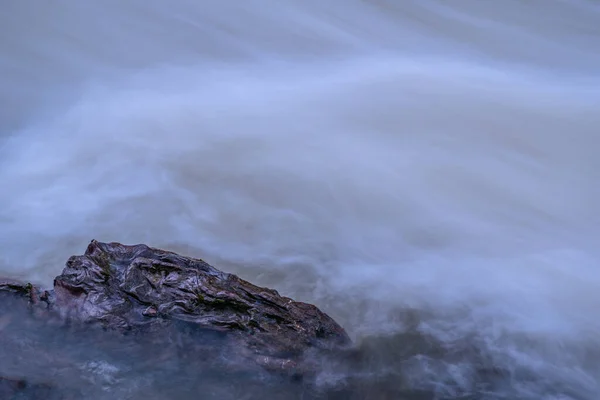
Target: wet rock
[[10, 287], [146, 291], [134, 287], [121, 318], [16, 289]]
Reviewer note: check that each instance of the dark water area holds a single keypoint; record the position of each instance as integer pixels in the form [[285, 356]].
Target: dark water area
[[49, 359]]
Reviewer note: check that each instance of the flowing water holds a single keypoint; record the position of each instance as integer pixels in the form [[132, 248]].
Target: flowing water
[[424, 171]]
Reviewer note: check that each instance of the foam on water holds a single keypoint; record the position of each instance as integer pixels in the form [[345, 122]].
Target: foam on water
[[369, 157]]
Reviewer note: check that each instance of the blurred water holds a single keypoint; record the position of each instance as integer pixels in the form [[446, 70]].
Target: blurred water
[[389, 161]]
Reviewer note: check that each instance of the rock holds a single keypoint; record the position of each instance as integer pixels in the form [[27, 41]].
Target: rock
[[33, 294], [154, 293], [17, 289]]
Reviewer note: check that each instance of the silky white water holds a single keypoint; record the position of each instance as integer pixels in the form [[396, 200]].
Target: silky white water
[[370, 157]]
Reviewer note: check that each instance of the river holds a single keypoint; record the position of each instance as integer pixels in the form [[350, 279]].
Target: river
[[426, 172]]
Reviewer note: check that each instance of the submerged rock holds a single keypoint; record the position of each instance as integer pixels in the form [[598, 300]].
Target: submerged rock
[[14, 388], [154, 293]]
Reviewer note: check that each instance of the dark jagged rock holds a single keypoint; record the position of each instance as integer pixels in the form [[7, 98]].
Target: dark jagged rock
[[142, 290], [173, 327], [35, 296]]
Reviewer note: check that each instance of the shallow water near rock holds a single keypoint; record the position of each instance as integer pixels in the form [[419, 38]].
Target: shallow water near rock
[[425, 172]]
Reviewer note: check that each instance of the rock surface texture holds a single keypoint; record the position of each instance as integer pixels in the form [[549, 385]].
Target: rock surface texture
[[141, 288], [175, 321]]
